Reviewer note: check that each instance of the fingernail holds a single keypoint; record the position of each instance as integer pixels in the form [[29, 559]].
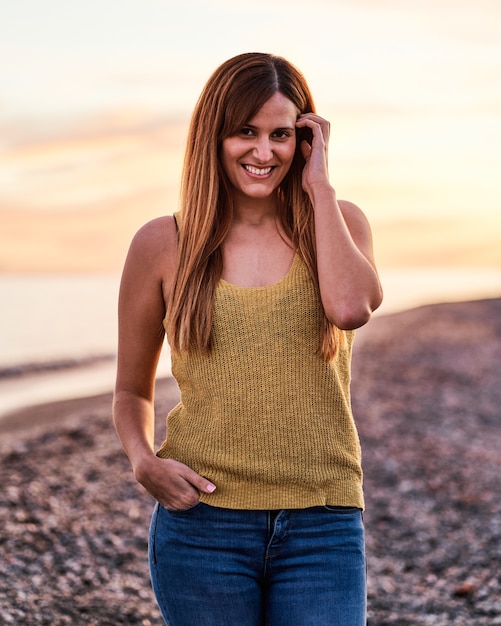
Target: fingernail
[[211, 488]]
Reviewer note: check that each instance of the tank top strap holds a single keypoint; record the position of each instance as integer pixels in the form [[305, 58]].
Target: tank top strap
[[176, 224]]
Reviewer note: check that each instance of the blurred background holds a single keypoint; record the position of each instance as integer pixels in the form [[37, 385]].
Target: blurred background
[[95, 99]]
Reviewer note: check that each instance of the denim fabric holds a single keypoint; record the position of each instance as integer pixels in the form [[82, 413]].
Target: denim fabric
[[222, 567]]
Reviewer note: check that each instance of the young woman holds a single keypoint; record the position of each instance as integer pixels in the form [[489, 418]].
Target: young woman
[[259, 281]]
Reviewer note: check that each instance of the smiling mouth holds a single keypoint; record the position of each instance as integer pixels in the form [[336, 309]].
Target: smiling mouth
[[257, 171]]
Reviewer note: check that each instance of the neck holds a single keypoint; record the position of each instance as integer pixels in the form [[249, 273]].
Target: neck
[[255, 211]]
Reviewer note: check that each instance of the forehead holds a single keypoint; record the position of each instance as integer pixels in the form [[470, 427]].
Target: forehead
[[277, 109]]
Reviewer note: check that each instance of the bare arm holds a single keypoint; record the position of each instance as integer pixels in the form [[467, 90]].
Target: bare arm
[[143, 291], [348, 280]]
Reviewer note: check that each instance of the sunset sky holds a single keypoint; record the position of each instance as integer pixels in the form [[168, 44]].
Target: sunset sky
[[95, 97]]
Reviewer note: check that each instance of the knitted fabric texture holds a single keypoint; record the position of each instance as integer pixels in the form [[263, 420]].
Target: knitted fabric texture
[[263, 416]]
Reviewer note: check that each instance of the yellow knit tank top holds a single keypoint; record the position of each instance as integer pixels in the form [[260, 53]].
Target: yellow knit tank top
[[263, 416]]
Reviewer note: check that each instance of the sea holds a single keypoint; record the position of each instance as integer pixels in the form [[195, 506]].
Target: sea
[[58, 333]]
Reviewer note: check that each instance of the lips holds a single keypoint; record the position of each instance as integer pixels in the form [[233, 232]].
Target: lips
[[257, 171]]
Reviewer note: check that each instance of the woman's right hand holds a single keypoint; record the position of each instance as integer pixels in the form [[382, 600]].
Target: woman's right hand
[[173, 484]]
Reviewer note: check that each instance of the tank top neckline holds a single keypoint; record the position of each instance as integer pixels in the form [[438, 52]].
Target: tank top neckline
[[285, 277]]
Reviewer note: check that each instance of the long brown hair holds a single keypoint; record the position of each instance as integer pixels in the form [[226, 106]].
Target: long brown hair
[[232, 96]]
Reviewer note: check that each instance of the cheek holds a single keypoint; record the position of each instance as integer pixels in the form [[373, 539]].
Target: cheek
[[288, 153], [231, 151]]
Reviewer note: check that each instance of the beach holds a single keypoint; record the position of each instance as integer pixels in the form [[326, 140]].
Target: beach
[[96, 106], [426, 400]]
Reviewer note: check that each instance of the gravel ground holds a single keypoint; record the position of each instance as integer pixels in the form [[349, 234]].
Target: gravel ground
[[427, 398]]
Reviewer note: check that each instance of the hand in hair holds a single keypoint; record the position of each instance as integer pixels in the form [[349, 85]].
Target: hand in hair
[[316, 155]]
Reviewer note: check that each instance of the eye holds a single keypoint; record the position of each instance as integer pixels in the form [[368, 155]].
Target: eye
[[246, 132], [281, 134]]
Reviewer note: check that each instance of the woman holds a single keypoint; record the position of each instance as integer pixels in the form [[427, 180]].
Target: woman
[[259, 281]]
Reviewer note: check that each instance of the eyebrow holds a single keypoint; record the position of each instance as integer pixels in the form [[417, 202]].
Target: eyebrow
[[277, 128]]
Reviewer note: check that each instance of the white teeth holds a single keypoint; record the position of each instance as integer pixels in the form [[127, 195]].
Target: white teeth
[[258, 171]]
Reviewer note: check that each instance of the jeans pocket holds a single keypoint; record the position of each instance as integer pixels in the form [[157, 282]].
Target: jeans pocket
[[153, 534]]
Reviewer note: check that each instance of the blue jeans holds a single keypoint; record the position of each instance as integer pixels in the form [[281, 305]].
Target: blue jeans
[[222, 567]]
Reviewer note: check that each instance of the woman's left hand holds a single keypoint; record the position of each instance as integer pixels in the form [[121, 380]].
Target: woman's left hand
[[316, 155]]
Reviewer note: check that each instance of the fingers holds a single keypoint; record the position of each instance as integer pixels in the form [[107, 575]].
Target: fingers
[[199, 482], [183, 485], [319, 125], [305, 150], [175, 485], [315, 153]]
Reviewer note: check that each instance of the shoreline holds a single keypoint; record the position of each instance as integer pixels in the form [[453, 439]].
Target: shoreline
[[17, 370], [53, 382], [46, 393], [29, 422], [61, 368], [60, 392]]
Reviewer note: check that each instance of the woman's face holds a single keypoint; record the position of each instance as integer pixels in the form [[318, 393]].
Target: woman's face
[[259, 156]]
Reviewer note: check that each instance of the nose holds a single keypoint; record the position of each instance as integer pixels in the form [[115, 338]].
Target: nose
[[263, 149]]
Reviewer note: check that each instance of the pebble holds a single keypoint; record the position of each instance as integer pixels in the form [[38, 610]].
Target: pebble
[[426, 396]]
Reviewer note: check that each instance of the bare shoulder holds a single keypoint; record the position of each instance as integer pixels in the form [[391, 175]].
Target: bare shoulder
[[157, 235], [155, 244]]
